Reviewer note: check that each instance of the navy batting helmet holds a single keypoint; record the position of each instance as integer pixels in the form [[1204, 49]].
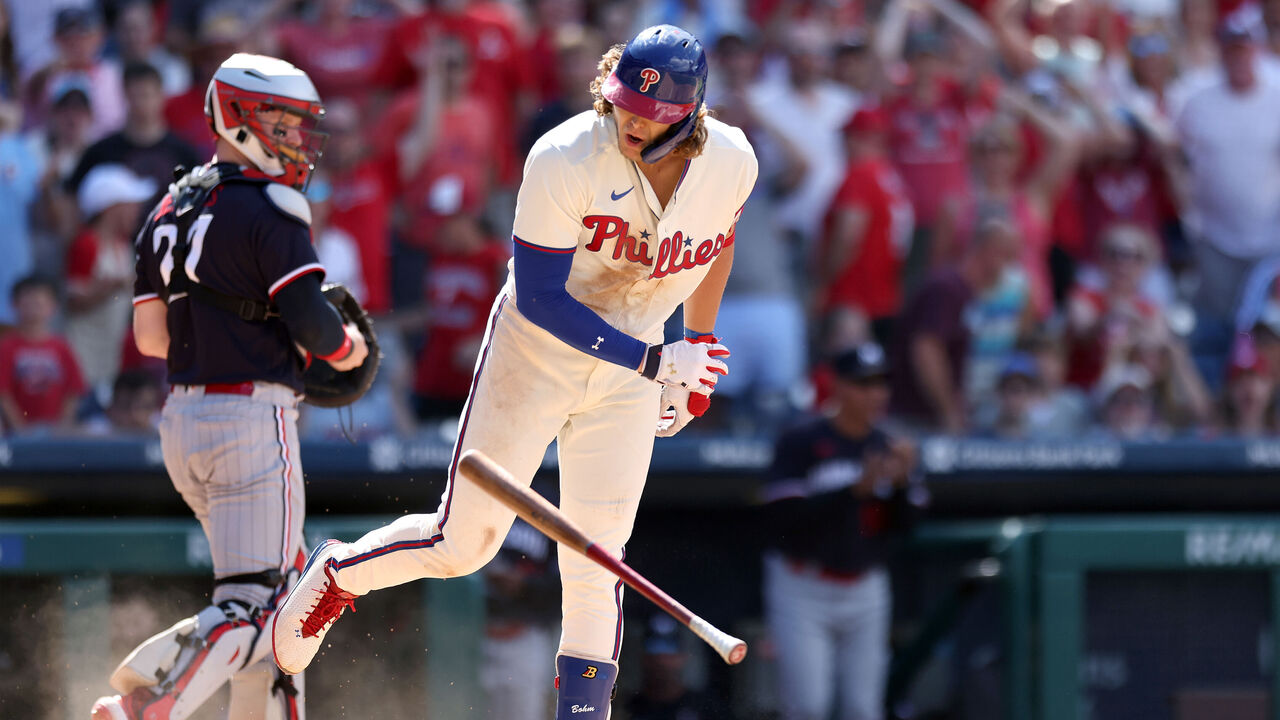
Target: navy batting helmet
[[661, 76]]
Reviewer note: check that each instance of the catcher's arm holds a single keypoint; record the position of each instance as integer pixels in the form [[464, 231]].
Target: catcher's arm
[[316, 325]]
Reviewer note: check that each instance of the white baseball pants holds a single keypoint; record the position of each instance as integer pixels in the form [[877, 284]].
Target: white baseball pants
[[529, 389], [235, 459]]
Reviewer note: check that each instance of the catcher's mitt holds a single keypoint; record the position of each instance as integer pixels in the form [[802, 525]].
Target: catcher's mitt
[[326, 387]]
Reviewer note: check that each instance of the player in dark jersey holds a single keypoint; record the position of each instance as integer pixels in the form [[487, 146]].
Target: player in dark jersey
[[228, 292], [840, 488]]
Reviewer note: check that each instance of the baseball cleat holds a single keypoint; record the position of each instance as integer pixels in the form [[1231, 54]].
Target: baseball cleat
[[308, 612]]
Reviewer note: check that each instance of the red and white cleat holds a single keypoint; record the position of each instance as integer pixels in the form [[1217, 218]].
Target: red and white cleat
[[308, 612]]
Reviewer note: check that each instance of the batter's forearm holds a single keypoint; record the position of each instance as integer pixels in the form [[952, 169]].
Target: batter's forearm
[[582, 329]]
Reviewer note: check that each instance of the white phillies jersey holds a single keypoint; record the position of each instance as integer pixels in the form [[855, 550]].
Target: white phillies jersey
[[635, 261]]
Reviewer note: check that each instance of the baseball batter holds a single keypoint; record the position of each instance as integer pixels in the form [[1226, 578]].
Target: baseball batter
[[227, 289], [624, 214]]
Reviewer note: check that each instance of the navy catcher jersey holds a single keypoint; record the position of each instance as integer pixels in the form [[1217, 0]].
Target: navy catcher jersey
[[241, 244]]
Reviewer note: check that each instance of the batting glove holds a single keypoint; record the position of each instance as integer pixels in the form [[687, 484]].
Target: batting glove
[[684, 364], [675, 413]]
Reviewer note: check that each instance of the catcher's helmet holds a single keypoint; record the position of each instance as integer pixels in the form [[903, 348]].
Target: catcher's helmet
[[661, 76], [245, 87]]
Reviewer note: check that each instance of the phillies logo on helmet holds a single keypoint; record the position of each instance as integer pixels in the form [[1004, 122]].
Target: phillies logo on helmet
[[650, 77]]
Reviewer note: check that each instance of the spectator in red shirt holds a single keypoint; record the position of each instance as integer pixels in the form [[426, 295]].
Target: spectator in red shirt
[[577, 50], [218, 37], [341, 52], [465, 273], [868, 231], [443, 150], [552, 21], [40, 382], [335, 248], [929, 130], [100, 269], [501, 78], [1123, 183], [1027, 203], [1250, 392], [363, 188], [1099, 317]]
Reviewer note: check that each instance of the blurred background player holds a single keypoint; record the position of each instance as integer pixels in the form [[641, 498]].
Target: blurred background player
[[664, 692], [228, 430], [839, 491], [626, 212], [522, 594]]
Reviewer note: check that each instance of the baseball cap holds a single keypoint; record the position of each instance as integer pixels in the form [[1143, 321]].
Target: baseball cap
[[111, 184], [1148, 44], [1243, 25], [1119, 378], [1269, 318], [1020, 365], [856, 40], [662, 636], [75, 19], [69, 87], [861, 363], [867, 120]]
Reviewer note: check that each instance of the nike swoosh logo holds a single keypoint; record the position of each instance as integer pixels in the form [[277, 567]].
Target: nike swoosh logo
[[619, 196]]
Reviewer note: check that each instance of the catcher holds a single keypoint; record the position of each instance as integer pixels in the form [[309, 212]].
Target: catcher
[[228, 290]]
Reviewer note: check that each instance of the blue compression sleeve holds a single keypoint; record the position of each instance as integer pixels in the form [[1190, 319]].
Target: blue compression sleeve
[[541, 297]]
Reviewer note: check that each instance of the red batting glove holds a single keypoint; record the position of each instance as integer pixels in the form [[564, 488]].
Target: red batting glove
[[698, 402]]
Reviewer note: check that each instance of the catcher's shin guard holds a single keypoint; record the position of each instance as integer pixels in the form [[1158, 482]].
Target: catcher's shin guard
[[185, 664], [263, 691], [585, 688]]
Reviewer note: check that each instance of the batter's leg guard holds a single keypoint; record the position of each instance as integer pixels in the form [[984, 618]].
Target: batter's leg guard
[[586, 688], [171, 674]]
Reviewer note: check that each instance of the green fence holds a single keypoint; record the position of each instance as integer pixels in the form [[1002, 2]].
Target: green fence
[[1042, 568]]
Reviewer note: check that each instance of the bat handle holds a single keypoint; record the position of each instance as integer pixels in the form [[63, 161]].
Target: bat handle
[[727, 646]]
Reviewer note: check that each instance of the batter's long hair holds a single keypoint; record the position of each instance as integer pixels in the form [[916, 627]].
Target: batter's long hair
[[690, 147]]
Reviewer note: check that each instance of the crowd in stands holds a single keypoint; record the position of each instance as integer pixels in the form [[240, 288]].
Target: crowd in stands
[[1060, 218]]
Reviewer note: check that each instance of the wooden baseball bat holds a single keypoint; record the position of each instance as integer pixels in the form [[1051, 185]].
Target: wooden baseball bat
[[495, 480]]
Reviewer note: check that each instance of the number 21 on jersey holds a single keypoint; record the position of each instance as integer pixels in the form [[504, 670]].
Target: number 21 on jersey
[[162, 241]]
